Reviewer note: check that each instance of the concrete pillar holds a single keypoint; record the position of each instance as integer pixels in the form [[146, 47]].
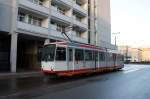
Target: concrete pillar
[[13, 52]]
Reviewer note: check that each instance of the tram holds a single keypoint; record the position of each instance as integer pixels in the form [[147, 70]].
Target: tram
[[67, 59]]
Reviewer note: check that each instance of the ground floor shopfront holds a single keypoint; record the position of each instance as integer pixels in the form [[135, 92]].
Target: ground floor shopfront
[[20, 52]]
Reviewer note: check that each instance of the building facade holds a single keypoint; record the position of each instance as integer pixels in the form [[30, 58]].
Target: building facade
[[131, 54], [100, 23], [145, 54], [27, 24]]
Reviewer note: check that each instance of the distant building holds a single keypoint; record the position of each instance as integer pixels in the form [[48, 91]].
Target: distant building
[[131, 54], [146, 54]]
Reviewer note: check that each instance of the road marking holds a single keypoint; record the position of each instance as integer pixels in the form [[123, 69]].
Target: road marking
[[129, 69], [132, 70]]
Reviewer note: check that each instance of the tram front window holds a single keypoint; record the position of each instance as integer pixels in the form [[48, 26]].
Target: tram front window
[[60, 54], [48, 52]]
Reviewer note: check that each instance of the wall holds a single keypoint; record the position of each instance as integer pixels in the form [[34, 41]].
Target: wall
[[100, 22], [6, 14]]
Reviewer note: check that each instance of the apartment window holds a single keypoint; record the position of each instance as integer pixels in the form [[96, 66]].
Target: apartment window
[[78, 34], [34, 20], [21, 17], [60, 27], [61, 11], [79, 19], [39, 2]]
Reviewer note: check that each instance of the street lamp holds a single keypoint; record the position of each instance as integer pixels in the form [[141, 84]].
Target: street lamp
[[116, 33]]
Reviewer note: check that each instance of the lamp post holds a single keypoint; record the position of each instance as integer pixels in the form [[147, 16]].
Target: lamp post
[[116, 33]]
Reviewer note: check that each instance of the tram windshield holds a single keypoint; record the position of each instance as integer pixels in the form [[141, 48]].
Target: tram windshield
[[48, 52]]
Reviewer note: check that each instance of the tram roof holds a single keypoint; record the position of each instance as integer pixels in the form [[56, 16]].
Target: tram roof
[[84, 46], [79, 45]]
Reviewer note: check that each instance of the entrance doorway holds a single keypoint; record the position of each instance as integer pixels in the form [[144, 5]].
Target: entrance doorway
[[29, 54], [4, 52]]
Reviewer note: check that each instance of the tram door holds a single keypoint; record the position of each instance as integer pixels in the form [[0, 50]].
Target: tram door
[[70, 60], [79, 59], [96, 59]]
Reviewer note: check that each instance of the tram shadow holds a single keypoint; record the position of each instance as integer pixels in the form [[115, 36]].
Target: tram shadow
[[76, 77]]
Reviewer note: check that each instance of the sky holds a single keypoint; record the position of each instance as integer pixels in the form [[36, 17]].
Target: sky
[[132, 19]]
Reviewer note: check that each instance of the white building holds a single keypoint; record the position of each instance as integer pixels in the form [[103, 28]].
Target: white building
[[100, 23], [26, 24]]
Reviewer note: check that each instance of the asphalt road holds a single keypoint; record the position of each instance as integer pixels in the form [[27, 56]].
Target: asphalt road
[[133, 82]]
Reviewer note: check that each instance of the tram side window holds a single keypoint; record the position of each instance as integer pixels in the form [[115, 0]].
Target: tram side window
[[79, 55], [95, 55], [88, 55], [102, 56], [70, 55], [107, 57], [61, 54], [114, 57], [122, 56], [110, 57], [48, 53]]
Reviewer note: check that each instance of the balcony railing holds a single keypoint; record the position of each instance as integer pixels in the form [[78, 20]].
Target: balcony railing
[[53, 31], [80, 9], [70, 34], [66, 2], [36, 7], [80, 24], [32, 28], [59, 15], [78, 39]]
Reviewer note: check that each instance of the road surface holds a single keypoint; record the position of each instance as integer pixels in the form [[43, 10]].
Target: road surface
[[133, 82]]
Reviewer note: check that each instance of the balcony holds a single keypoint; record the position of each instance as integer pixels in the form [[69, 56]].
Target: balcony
[[59, 16], [79, 9], [26, 4], [78, 39], [31, 28], [71, 35], [64, 2], [80, 25], [56, 33], [53, 31]]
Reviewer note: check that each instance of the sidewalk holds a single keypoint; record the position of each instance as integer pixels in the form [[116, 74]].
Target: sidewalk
[[6, 75]]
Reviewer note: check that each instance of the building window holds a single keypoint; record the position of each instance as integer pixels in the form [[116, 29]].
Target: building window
[[78, 34], [34, 20], [39, 2], [60, 28], [21, 17], [61, 11]]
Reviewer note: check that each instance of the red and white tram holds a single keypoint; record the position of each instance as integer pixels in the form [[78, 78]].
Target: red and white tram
[[67, 58]]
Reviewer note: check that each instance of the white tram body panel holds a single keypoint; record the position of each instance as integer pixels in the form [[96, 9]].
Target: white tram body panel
[[64, 58]]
